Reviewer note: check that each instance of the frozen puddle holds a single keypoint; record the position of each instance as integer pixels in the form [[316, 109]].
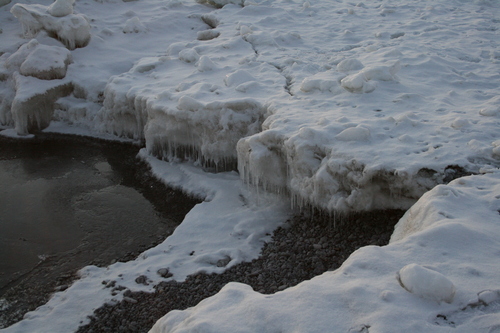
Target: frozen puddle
[[69, 203]]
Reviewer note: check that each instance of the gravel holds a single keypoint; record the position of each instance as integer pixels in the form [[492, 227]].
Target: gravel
[[300, 250]]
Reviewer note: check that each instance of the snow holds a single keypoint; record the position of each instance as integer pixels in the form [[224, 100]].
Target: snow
[[434, 268], [338, 105]]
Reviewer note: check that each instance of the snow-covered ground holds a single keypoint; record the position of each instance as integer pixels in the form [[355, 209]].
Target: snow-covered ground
[[344, 106]]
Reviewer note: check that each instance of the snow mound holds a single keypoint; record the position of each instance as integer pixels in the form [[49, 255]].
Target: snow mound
[[133, 25], [73, 30], [426, 283], [364, 294]]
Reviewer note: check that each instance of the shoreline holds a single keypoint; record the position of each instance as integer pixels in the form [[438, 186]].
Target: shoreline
[[299, 251]]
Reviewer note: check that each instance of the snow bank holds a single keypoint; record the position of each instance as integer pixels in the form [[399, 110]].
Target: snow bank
[[73, 30], [434, 276], [369, 109]]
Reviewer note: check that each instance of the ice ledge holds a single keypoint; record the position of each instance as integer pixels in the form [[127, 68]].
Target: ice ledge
[[313, 175]]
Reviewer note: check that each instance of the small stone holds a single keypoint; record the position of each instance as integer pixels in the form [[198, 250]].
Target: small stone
[[255, 273], [130, 300], [164, 273], [143, 279], [61, 287], [223, 262]]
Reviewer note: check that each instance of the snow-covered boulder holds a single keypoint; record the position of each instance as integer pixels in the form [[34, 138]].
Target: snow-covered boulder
[[73, 30], [426, 283], [46, 62], [60, 8]]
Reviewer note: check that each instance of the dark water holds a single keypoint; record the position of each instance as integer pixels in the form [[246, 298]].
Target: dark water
[[66, 202]]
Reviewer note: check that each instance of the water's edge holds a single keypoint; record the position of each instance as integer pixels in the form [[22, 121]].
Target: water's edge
[[108, 175]]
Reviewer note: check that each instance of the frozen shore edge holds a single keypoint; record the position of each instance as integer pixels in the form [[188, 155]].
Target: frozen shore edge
[[397, 98]]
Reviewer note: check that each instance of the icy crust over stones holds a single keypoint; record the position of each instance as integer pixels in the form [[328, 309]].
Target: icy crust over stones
[[73, 30], [195, 101], [433, 275]]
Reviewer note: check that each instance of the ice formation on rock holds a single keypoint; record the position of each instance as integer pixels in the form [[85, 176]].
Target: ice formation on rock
[[33, 105], [73, 30], [33, 82]]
